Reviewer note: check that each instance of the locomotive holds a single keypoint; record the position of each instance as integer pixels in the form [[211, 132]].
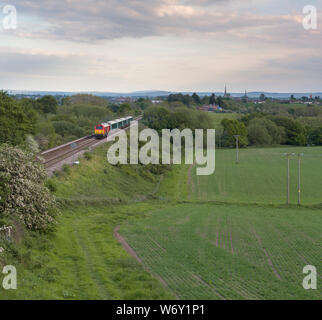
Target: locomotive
[[103, 129]]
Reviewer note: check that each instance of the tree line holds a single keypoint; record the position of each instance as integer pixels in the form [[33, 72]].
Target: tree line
[[268, 130]]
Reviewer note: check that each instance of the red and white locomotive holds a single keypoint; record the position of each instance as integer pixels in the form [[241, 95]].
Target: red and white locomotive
[[102, 130]]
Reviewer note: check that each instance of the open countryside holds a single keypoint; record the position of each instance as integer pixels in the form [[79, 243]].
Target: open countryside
[[85, 83]]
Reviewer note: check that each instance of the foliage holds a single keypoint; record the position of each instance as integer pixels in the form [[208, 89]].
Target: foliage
[[185, 99], [124, 109], [88, 156], [16, 120], [24, 195], [143, 103], [85, 99], [47, 104], [159, 118], [262, 131], [232, 128], [295, 132], [31, 144], [316, 136]]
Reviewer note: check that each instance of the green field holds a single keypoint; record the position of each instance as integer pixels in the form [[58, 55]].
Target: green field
[[218, 117], [226, 236], [260, 177], [229, 252], [245, 243]]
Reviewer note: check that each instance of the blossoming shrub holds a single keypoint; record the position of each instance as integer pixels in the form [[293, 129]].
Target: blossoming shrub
[[23, 193]]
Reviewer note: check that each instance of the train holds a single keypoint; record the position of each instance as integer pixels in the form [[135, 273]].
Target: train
[[103, 129]]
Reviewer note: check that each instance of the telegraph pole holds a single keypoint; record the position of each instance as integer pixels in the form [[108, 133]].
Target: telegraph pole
[[237, 143], [299, 179], [288, 155]]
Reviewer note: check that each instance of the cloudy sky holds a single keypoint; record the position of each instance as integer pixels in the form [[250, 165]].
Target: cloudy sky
[[177, 45]]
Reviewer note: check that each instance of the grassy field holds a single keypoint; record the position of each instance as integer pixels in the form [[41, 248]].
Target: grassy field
[[260, 177], [230, 252], [83, 260], [235, 238], [218, 117], [230, 239]]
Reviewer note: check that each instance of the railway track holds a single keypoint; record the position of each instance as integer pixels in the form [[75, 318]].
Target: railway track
[[54, 156]]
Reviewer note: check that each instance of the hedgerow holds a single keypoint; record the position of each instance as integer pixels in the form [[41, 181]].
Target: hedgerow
[[24, 195]]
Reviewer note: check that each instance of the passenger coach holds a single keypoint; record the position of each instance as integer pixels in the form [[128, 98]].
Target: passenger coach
[[102, 130]]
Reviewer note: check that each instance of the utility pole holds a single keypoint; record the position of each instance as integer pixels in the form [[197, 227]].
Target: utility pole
[[299, 179], [288, 155], [237, 143]]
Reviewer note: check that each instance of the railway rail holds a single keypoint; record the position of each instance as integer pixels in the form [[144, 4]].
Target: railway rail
[[54, 156]]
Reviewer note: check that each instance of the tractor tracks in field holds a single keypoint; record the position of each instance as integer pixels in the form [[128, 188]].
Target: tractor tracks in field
[[91, 268]]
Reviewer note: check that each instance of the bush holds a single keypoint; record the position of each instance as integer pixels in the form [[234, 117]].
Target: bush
[[232, 128], [262, 131], [51, 185], [24, 195], [88, 156], [16, 120], [66, 168]]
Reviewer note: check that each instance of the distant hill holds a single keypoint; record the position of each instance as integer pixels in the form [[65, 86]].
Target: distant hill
[[159, 93]]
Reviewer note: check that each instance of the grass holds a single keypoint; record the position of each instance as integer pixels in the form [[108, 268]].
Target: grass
[[230, 252], [218, 117], [260, 177], [197, 250], [235, 238], [82, 259], [97, 179]]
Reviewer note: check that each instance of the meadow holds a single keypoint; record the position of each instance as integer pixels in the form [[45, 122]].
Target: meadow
[[230, 235], [211, 251], [226, 236], [260, 177], [218, 117]]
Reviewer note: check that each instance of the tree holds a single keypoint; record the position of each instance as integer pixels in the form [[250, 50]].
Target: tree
[[294, 130], [212, 99], [196, 99], [316, 136], [143, 103], [221, 102], [232, 128], [258, 135], [23, 193], [158, 118], [16, 120], [124, 108], [48, 104], [262, 97], [262, 131]]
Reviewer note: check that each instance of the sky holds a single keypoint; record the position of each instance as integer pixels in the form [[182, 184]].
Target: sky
[[172, 45]]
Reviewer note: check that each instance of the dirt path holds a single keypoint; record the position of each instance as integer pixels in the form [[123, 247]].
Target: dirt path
[[132, 253], [190, 181], [126, 246]]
